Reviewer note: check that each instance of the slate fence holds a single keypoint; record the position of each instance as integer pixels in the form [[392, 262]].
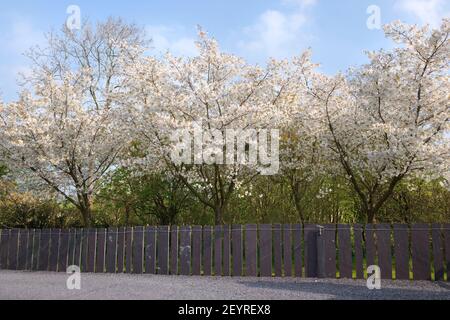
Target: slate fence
[[414, 252]]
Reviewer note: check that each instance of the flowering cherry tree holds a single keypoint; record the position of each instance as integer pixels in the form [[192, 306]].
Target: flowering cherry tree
[[210, 94], [65, 129], [388, 120]]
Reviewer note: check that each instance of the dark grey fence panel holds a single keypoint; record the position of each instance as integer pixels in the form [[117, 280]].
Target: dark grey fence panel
[[251, 253], [92, 239], [277, 250], [23, 250], [298, 255], [420, 249], [78, 244], [438, 252], [384, 247], [174, 256], [44, 247], [265, 247], [218, 237], [196, 250], [36, 250], [329, 251], [401, 251], [447, 248], [163, 250], [207, 250], [150, 250], [84, 249], [371, 250], [111, 250], [63, 252], [185, 250], [121, 249], [101, 250], [311, 231], [237, 250], [54, 247], [359, 253], [138, 249], [4, 245], [345, 252], [287, 250], [129, 250], [226, 250], [71, 248], [12, 250], [30, 243]]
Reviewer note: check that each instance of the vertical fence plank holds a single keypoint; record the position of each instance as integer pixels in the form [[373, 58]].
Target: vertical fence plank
[[207, 250], [185, 251], [359, 260], [138, 249], [196, 250], [30, 243], [63, 252], [92, 237], [218, 237], [226, 250], [298, 256], [251, 253], [277, 250], [78, 245], [54, 247], [420, 249], [311, 231], [44, 247], [370, 245], [100, 253], [22, 251], [163, 250], [236, 235], [121, 249], [84, 249], [438, 256], [71, 248], [401, 251], [174, 250], [287, 250], [36, 250], [265, 247], [329, 249], [4, 245], [150, 250], [446, 230], [12, 250], [111, 250], [129, 250], [345, 252], [384, 249]]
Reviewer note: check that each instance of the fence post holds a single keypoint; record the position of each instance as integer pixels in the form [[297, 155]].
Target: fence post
[[321, 260]]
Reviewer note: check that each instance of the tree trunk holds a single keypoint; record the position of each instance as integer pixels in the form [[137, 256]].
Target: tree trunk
[[85, 209], [218, 215]]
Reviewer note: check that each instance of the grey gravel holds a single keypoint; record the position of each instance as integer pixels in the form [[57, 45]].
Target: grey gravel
[[49, 286]]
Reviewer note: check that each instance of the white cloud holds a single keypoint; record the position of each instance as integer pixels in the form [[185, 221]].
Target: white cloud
[[277, 33], [426, 11], [172, 39]]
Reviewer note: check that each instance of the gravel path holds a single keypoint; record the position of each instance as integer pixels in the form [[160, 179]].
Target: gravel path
[[45, 286]]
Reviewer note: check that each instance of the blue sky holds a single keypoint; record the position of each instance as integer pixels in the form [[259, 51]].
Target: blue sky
[[255, 29]]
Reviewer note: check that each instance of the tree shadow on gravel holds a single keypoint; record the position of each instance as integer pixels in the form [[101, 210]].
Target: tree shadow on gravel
[[357, 291]]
